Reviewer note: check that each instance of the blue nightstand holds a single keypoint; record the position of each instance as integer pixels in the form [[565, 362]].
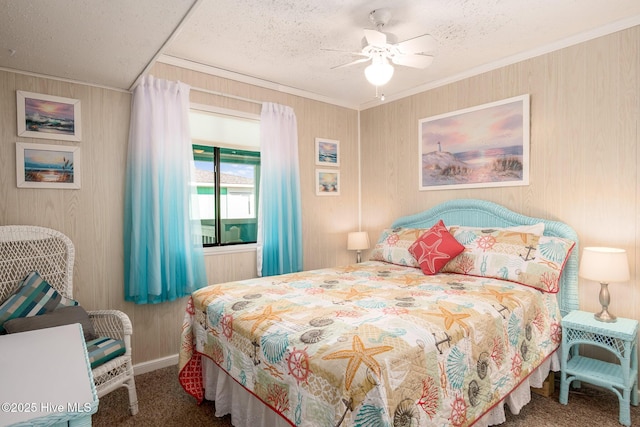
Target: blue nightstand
[[580, 327]]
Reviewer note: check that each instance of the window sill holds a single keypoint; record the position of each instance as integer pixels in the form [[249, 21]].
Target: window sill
[[231, 249]]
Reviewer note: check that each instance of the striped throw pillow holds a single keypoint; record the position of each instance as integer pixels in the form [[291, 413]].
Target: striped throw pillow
[[35, 296], [103, 349]]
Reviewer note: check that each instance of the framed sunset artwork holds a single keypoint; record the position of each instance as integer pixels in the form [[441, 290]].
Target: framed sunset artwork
[[482, 146], [47, 166], [48, 117], [327, 182], [327, 152]]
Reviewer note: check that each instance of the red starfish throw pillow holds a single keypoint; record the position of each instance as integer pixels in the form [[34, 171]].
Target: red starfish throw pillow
[[435, 248]]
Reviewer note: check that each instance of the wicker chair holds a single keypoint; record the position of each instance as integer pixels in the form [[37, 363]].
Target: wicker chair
[[29, 248]]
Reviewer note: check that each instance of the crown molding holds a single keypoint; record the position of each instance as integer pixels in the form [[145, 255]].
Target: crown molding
[[219, 72]]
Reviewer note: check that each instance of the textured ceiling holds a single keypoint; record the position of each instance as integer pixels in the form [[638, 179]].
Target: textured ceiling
[[103, 42], [290, 44]]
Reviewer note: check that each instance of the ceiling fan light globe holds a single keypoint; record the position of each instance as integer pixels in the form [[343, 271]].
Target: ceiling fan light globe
[[379, 73]]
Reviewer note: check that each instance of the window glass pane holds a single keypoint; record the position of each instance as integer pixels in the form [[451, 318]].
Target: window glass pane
[[227, 168], [239, 172], [205, 204]]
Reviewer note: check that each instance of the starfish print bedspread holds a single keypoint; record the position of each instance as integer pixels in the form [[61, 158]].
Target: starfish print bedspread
[[371, 344]]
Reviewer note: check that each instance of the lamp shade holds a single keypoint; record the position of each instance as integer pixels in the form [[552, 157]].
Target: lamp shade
[[357, 241], [604, 265], [379, 72]]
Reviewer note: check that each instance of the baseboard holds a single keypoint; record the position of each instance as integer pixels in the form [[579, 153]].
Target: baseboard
[[152, 365]]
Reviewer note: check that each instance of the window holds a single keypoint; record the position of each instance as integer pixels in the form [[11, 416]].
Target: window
[[226, 177]]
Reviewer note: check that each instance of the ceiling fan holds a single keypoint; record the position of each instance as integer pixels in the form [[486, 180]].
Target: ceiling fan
[[381, 49]]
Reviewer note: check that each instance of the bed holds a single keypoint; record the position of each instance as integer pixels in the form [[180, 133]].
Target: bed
[[423, 333]]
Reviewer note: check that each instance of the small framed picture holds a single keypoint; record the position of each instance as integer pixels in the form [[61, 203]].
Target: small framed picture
[[47, 166], [48, 117], [327, 152], [327, 182]]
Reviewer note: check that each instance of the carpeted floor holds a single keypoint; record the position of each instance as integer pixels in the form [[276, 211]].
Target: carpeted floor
[[163, 402]]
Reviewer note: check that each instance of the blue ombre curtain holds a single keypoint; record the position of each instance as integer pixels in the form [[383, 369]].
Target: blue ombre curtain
[[280, 215], [163, 258]]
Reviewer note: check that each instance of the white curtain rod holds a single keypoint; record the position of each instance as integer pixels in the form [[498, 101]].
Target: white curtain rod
[[226, 95]]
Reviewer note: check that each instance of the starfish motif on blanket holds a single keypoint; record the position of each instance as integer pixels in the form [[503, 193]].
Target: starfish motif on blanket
[[408, 279], [267, 314], [208, 294], [355, 294], [294, 277], [451, 318], [431, 253], [499, 296], [349, 268], [358, 355]]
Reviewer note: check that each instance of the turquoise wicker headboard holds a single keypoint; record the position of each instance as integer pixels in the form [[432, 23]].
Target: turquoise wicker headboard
[[481, 213]]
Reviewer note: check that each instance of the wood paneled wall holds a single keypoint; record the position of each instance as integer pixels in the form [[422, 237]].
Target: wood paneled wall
[[584, 159], [93, 216]]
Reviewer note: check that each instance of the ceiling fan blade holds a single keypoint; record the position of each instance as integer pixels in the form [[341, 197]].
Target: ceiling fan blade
[[375, 38], [357, 61], [415, 61], [343, 51], [423, 43]]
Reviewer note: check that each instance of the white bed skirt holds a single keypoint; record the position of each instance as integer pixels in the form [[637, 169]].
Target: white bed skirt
[[231, 398], [248, 411]]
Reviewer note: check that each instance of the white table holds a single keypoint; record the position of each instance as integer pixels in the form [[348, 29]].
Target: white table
[[45, 378]]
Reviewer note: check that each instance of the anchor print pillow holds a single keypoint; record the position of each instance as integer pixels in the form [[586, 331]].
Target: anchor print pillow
[[393, 246], [520, 257]]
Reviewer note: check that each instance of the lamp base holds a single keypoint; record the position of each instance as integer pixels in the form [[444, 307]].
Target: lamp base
[[605, 298], [604, 316]]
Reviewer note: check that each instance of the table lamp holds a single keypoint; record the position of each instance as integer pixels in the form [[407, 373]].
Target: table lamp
[[357, 241], [604, 265]]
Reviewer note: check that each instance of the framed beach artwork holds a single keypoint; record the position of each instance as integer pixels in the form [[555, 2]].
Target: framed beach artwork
[[47, 166], [327, 182], [482, 146], [48, 117], [327, 152]]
